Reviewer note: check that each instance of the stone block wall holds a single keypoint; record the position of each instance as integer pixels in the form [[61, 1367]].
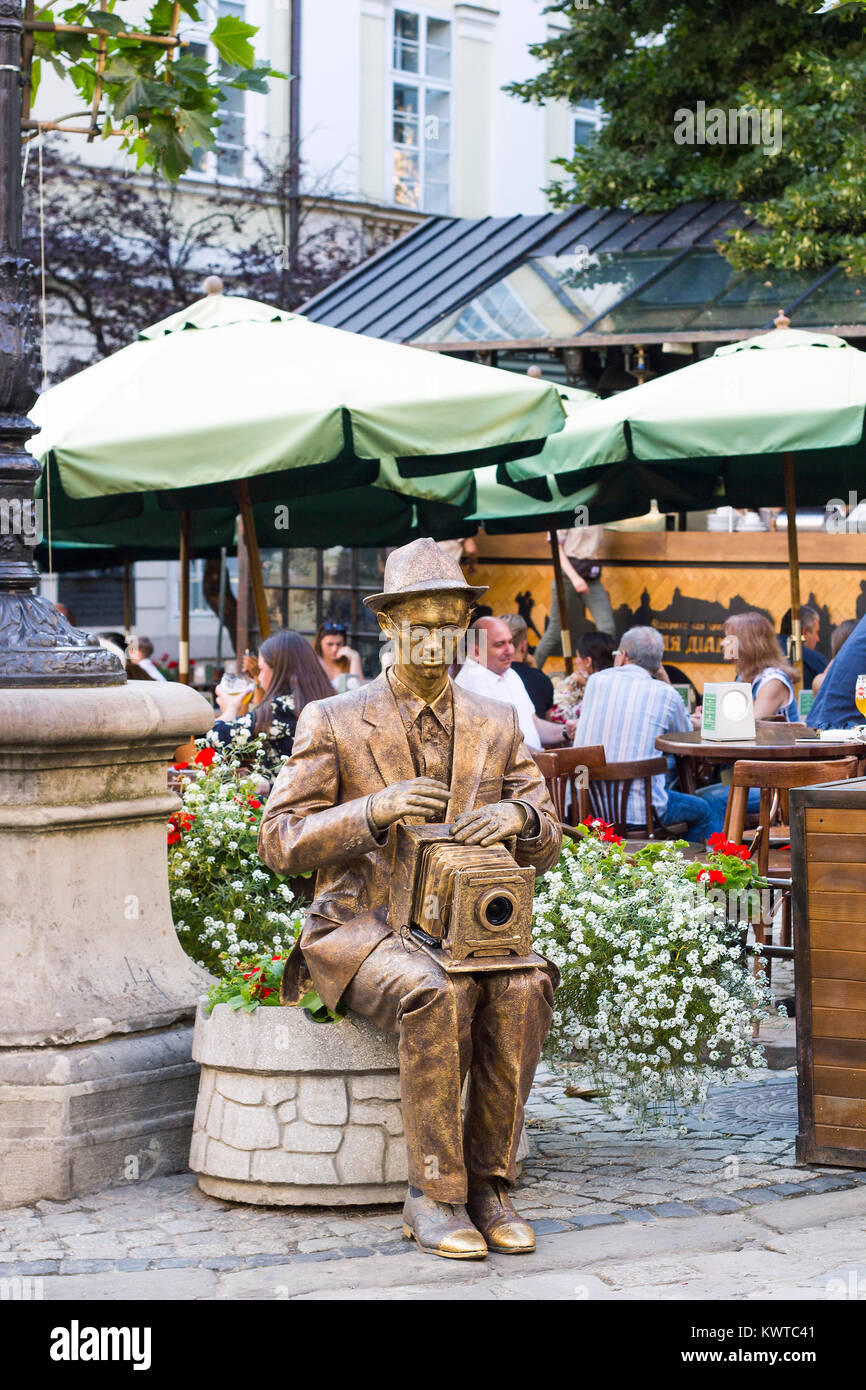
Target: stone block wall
[[297, 1113]]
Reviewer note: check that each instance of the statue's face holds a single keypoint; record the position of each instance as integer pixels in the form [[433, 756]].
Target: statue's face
[[427, 633]]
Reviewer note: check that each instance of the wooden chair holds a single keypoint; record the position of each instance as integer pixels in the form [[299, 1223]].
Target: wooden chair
[[608, 793], [775, 780], [562, 770]]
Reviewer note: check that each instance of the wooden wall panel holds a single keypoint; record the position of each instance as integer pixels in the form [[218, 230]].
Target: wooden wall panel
[[852, 1140], [841, 1081], [838, 936], [838, 994], [839, 965], [836, 877], [839, 1023], [843, 1112], [839, 1052], [835, 822], [837, 849]]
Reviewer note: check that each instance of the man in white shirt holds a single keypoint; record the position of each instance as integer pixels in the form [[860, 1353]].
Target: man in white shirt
[[489, 673]]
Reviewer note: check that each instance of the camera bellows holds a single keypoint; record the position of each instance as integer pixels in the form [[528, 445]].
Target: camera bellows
[[469, 905]]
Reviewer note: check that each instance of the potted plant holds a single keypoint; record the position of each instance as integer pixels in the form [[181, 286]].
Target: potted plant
[[227, 904], [654, 997]]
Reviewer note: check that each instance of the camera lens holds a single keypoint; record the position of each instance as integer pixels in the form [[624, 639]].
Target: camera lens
[[498, 911]]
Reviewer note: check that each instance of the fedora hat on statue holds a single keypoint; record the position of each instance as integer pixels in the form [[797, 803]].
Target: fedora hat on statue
[[421, 567]]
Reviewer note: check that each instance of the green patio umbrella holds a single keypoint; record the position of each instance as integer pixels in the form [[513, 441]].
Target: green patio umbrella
[[771, 420], [306, 407]]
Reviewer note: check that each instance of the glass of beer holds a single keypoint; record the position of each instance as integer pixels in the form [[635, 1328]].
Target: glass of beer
[[860, 695]]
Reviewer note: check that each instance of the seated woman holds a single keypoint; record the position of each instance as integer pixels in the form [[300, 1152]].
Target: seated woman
[[594, 653], [340, 663], [291, 676], [751, 643]]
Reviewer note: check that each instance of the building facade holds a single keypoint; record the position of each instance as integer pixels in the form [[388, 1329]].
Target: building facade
[[401, 114]]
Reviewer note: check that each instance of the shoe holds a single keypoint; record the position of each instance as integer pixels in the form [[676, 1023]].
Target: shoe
[[439, 1228], [490, 1209]]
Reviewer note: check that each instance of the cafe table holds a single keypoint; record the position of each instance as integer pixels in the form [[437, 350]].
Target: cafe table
[[772, 742]]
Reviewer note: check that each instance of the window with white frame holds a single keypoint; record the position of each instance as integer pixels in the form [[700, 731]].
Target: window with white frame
[[421, 111], [226, 160], [587, 122]]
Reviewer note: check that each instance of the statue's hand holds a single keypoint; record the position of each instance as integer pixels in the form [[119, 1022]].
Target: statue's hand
[[490, 825], [419, 796]]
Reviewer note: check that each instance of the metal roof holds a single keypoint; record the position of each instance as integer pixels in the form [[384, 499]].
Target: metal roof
[[446, 261]]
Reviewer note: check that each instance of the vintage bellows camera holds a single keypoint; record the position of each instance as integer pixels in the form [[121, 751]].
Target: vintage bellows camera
[[470, 907]]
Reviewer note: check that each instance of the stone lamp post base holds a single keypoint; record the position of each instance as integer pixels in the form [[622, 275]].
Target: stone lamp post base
[[97, 1084]]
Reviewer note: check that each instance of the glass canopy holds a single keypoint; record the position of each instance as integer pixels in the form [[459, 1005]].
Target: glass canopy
[[634, 293]]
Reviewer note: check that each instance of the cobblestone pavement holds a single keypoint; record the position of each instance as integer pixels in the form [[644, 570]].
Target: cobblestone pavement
[[164, 1238]]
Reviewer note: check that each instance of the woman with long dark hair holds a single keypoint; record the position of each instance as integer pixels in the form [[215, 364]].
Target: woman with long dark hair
[[340, 662], [291, 676]]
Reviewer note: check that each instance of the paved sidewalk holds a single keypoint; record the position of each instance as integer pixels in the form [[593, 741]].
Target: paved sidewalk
[[718, 1212]]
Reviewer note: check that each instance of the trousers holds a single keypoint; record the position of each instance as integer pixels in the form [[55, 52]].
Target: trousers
[[490, 1026], [578, 622]]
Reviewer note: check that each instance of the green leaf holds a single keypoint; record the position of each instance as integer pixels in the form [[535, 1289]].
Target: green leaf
[[35, 77], [120, 69], [236, 1002], [102, 19], [73, 45], [230, 37], [159, 19], [142, 94], [254, 79]]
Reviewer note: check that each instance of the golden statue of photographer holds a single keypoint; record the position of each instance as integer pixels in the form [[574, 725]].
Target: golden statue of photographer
[[425, 817]]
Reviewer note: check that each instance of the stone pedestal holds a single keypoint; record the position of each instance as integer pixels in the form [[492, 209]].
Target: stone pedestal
[[96, 993], [295, 1113]]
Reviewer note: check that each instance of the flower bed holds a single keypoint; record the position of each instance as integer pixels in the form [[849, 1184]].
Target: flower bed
[[227, 904], [654, 999]]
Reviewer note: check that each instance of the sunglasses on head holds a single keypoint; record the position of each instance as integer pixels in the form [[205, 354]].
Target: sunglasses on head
[[334, 627]]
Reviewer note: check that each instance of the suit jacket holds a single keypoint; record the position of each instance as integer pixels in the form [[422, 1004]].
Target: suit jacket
[[316, 816]]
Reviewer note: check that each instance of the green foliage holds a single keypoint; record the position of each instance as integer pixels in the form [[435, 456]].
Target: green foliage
[[162, 102], [249, 984], [654, 999], [227, 904], [645, 60]]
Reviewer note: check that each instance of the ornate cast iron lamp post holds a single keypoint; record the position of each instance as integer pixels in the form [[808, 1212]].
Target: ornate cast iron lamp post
[[96, 993], [37, 645]]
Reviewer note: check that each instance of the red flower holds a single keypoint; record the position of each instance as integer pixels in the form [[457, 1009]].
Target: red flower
[[266, 992], [712, 876], [254, 802], [205, 756], [719, 844], [178, 766]]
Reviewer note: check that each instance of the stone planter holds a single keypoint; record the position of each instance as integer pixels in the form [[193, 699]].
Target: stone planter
[[295, 1113]]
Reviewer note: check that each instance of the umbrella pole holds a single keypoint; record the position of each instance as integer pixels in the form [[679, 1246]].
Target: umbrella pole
[[127, 596], [222, 605], [564, 630], [794, 568], [185, 549], [263, 620]]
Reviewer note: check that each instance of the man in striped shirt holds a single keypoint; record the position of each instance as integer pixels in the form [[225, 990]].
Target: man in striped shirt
[[625, 709]]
